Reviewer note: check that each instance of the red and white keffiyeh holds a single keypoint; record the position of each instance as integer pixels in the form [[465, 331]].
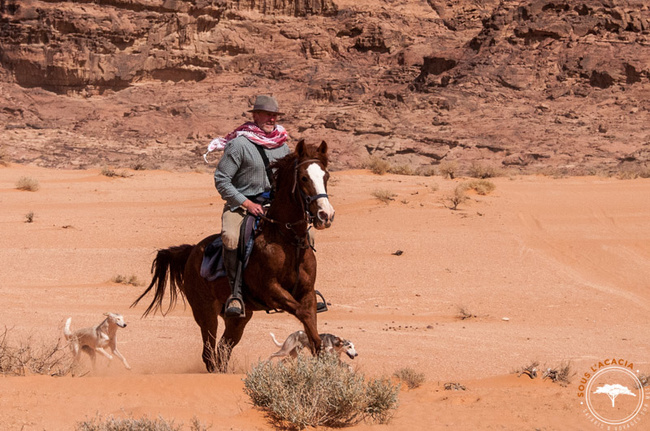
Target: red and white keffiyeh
[[254, 133]]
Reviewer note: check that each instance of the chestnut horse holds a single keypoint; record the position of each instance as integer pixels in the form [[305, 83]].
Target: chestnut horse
[[281, 270]]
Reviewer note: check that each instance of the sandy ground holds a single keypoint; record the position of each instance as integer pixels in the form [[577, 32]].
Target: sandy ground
[[550, 270]]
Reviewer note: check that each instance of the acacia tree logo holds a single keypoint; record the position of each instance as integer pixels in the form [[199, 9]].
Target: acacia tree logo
[[613, 391], [615, 381]]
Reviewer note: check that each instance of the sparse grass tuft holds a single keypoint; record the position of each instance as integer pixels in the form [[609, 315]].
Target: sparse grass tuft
[[458, 197], [384, 195], [51, 359], [412, 378], [479, 170], [27, 184], [482, 187], [560, 374], [448, 169], [464, 313], [401, 170], [4, 158], [454, 386], [530, 370], [142, 424], [319, 392], [29, 217], [378, 166], [426, 171], [108, 172], [121, 279]]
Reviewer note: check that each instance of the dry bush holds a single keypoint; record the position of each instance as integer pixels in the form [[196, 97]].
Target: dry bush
[[29, 217], [632, 172], [448, 169], [401, 170], [479, 170], [319, 392], [121, 279], [108, 172], [464, 313], [412, 378], [482, 187], [426, 171], [378, 166], [51, 359], [142, 424], [458, 197], [4, 158], [27, 184], [560, 374], [454, 386], [530, 370], [384, 195]]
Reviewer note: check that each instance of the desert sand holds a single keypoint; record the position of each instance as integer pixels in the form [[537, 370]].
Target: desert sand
[[553, 270]]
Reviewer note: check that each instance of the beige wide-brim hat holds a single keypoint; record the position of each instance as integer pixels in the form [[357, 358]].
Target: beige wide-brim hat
[[266, 104]]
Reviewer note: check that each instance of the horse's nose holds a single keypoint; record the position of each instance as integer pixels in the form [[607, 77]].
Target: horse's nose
[[325, 217]]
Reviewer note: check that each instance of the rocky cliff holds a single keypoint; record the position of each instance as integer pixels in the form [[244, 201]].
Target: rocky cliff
[[526, 84]]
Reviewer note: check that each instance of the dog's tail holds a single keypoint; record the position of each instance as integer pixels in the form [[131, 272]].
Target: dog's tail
[[277, 343], [66, 330]]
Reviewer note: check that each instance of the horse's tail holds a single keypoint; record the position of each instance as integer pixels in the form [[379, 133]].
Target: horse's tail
[[170, 260]]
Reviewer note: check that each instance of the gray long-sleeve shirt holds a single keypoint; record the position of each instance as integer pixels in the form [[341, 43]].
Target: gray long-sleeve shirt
[[241, 171]]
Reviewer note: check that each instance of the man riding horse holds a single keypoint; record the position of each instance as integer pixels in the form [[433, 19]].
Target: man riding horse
[[242, 178]]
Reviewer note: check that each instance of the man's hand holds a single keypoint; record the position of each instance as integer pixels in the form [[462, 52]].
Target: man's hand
[[253, 208]]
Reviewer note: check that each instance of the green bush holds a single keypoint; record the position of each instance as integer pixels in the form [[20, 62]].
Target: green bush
[[319, 392]]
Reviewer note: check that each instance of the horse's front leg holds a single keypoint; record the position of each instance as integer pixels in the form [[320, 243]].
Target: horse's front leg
[[306, 313]]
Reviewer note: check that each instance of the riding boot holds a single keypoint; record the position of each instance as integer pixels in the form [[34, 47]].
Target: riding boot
[[234, 306]]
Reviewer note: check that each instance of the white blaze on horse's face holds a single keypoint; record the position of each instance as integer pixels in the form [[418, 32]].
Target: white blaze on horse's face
[[325, 213]]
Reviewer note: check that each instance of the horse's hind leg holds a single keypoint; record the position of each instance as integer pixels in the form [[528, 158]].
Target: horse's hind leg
[[205, 315], [231, 336]]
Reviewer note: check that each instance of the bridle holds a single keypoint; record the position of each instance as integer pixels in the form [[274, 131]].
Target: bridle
[[305, 200]]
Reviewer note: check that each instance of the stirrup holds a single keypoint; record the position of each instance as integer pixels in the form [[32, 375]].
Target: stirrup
[[234, 307], [321, 306]]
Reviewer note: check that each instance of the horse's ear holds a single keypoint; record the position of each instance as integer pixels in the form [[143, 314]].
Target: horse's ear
[[322, 148], [300, 148]]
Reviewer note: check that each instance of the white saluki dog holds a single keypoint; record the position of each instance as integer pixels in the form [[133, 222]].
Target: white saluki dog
[[96, 338]]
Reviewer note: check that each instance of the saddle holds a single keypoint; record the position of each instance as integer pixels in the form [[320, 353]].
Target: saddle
[[212, 266]]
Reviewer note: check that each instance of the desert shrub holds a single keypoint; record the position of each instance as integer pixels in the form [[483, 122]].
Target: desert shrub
[[464, 313], [378, 166], [530, 370], [412, 378], [401, 170], [482, 187], [479, 170], [108, 172], [4, 158], [426, 171], [142, 424], [318, 392], [27, 184], [384, 195], [51, 359], [456, 198], [448, 169], [633, 172], [560, 374], [121, 279], [29, 217]]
